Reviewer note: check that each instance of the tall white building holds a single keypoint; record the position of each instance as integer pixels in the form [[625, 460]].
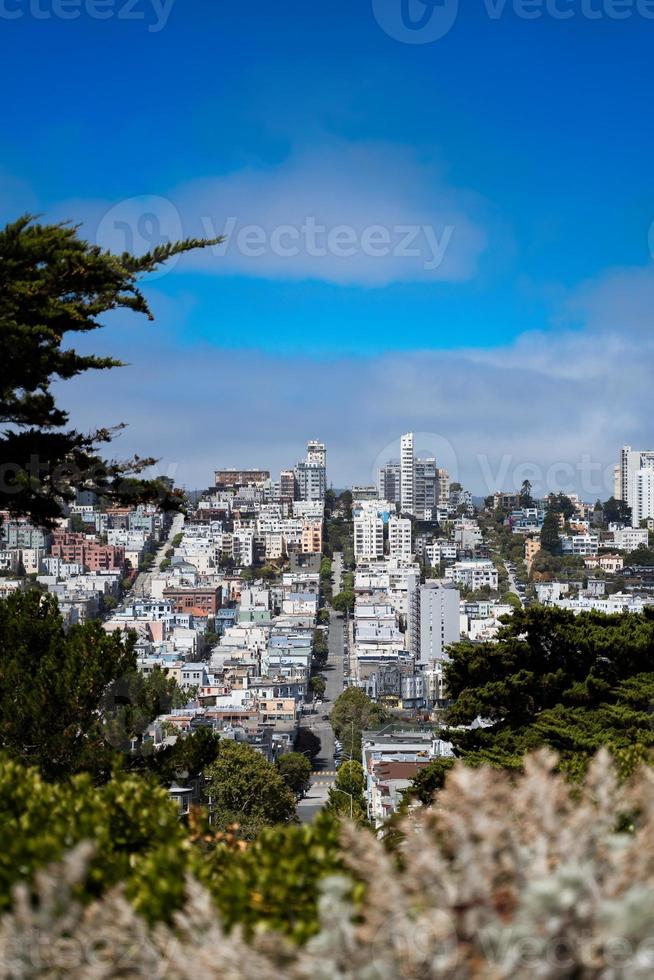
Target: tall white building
[[399, 537], [632, 462], [368, 536], [407, 474], [434, 621], [643, 506]]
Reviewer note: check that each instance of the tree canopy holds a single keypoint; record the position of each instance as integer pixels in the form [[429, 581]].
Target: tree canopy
[[353, 713], [550, 540], [54, 284], [72, 700], [575, 683], [247, 789], [295, 770]]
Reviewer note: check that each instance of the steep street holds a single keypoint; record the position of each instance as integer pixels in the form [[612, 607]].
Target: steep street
[[319, 723]]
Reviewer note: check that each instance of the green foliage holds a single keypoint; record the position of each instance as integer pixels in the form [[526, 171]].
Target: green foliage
[[430, 779], [560, 504], [616, 512], [307, 742], [344, 601], [526, 499], [346, 797], [575, 683], [53, 284], [545, 566], [274, 884], [550, 540], [247, 789], [52, 683], [641, 556], [134, 827], [318, 685], [295, 770], [353, 713]]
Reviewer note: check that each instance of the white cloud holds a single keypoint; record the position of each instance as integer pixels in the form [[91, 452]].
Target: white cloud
[[553, 407], [348, 213]]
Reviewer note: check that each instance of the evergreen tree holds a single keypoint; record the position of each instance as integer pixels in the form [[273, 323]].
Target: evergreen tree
[[54, 284], [575, 683], [550, 540]]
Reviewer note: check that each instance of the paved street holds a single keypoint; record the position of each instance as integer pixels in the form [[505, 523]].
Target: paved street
[[337, 572], [513, 583], [143, 583], [325, 766]]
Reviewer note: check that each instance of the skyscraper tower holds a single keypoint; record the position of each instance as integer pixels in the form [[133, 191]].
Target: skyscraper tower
[[407, 474]]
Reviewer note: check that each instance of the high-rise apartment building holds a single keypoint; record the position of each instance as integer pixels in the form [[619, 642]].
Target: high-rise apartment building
[[368, 536], [287, 486], [311, 474], [316, 453], [433, 621], [426, 488], [643, 506], [399, 537], [407, 474], [388, 482], [632, 462]]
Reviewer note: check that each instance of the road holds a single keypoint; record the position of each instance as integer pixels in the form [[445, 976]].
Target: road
[[143, 583], [323, 776], [337, 573], [513, 583]]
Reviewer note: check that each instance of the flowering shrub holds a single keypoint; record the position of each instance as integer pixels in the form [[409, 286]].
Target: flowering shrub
[[525, 877]]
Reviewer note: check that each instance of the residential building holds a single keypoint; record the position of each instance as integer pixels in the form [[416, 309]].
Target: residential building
[[287, 487], [643, 506], [232, 478], [631, 463], [311, 473], [399, 537], [425, 488], [407, 474], [579, 544], [473, 574], [368, 536], [389, 482], [630, 538], [433, 621], [312, 537]]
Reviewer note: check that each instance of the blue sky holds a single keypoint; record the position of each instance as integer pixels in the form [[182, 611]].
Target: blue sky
[[518, 150]]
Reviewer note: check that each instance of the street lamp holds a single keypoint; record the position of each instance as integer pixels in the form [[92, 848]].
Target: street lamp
[[336, 790]]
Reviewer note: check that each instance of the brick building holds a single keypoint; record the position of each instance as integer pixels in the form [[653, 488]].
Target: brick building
[[75, 548]]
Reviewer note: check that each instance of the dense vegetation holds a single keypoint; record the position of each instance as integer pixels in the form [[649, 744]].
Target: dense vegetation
[[575, 683]]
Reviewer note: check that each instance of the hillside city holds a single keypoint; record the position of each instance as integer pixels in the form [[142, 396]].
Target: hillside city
[[273, 594]]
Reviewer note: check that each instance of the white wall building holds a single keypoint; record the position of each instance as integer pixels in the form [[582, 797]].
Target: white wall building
[[407, 474], [632, 462], [630, 538], [473, 574], [368, 536], [399, 537]]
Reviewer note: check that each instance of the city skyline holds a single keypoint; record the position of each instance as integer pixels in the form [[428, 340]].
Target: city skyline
[[541, 289]]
